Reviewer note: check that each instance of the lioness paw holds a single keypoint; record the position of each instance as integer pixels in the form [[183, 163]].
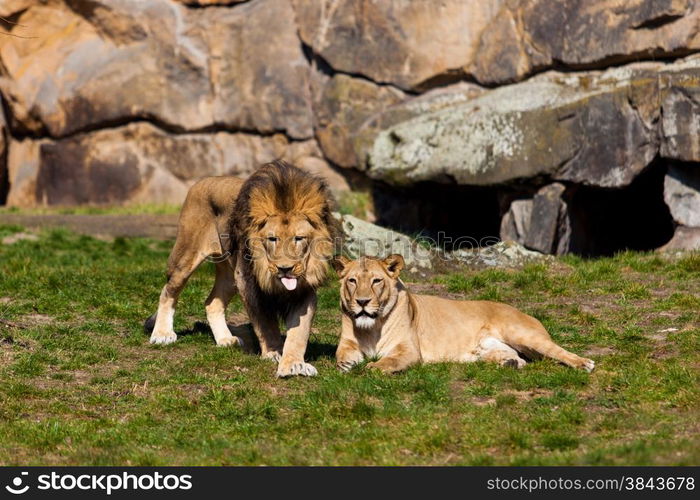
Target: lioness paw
[[300, 368], [229, 341], [272, 356], [514, 363], [588, 365], [345, 366], [163, 339]]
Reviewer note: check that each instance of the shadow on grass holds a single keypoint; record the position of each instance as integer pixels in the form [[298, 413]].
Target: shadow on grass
[[314, 351]]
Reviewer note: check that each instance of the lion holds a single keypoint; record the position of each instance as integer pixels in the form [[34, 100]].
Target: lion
[[271, 238], [382, 319]]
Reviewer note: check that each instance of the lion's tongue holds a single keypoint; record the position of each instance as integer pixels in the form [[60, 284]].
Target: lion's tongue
[[289, 283]]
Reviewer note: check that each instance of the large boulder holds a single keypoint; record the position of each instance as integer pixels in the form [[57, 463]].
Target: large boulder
[[680, 124], [407, 44], [527, 35], [99, 63], [364, 238], [419, 44], [342, 105], [139, 163], [591, 128], [682, 194]]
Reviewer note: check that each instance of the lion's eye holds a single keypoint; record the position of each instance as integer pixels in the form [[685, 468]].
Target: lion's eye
[[272, 239], [352, 280], [376, 280], [299, 238]]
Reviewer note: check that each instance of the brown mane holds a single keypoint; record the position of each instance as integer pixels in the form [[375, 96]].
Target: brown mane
[[279, 188]]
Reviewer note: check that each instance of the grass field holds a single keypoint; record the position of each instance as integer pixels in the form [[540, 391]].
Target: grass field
[[81, 384]]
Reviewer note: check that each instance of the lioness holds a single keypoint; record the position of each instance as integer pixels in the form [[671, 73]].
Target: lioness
[[271, 238], [381, 318]]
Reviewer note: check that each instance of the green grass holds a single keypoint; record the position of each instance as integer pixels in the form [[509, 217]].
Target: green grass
[[148, 208], [81, 384]]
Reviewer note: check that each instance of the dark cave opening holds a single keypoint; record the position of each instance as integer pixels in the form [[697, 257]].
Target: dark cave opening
[[603, 221], [607, 221], [443, 213]]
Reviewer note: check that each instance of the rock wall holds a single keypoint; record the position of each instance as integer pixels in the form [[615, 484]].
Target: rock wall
[[545, 105]]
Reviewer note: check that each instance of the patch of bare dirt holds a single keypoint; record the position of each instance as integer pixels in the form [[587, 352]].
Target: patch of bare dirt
[[22, 236], [597, 350], [162, 227]]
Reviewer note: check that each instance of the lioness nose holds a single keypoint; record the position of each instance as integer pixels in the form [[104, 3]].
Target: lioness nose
[[284, 270], [362, 302]]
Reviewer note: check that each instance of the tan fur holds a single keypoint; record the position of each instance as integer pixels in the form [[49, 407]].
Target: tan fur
[[274, 225], [409, 329]]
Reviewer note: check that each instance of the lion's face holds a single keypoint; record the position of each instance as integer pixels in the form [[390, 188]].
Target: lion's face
[[284, 225], [368, 288], [282, 247]]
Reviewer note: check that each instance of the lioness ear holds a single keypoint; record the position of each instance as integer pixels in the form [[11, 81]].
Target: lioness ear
[[394, 264], [339, 262]]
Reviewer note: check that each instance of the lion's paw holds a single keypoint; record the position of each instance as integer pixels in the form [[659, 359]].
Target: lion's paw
[[299, 368], [163, 339], [588, 365], [345, 366], [229, 341], [514, 363], [272, 356]]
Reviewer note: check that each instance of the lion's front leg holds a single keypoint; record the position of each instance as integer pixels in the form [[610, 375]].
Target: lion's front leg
[[398, 359], [265, 323], [348, 353], [298, 330]]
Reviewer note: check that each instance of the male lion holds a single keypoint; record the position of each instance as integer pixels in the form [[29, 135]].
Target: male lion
[[382, 318], [271, 238]]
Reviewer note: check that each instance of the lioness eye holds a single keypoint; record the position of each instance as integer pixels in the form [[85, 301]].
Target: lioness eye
[[376, 280], [352, 280], [272, 239]]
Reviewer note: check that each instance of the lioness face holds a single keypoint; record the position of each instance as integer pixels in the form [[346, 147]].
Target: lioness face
[[368, 287], [283, 243]]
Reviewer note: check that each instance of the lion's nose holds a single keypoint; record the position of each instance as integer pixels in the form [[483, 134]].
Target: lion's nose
[[284, 270], [362, 302]]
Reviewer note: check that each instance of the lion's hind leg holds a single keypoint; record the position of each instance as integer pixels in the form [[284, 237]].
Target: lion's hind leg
[[492, 349], [536, 343], [551, 350], [216, 303], [186, 256]]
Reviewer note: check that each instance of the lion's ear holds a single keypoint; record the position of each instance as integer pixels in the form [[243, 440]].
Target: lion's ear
[[339, 262], [394, 264]]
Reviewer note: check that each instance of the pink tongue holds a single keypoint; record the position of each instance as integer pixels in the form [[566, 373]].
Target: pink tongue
[[289, 283]]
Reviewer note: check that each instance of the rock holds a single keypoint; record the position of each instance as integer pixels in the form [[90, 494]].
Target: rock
[[238, 69], [591, 128], [680, 124], [139, 163], [515, 224], [407, 44], [366, 239], [501, 254], [546, 213], [528, 35], [682, 194], [542, 222], [431, 101], [417, 45], [684, 238], [344, 103]]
